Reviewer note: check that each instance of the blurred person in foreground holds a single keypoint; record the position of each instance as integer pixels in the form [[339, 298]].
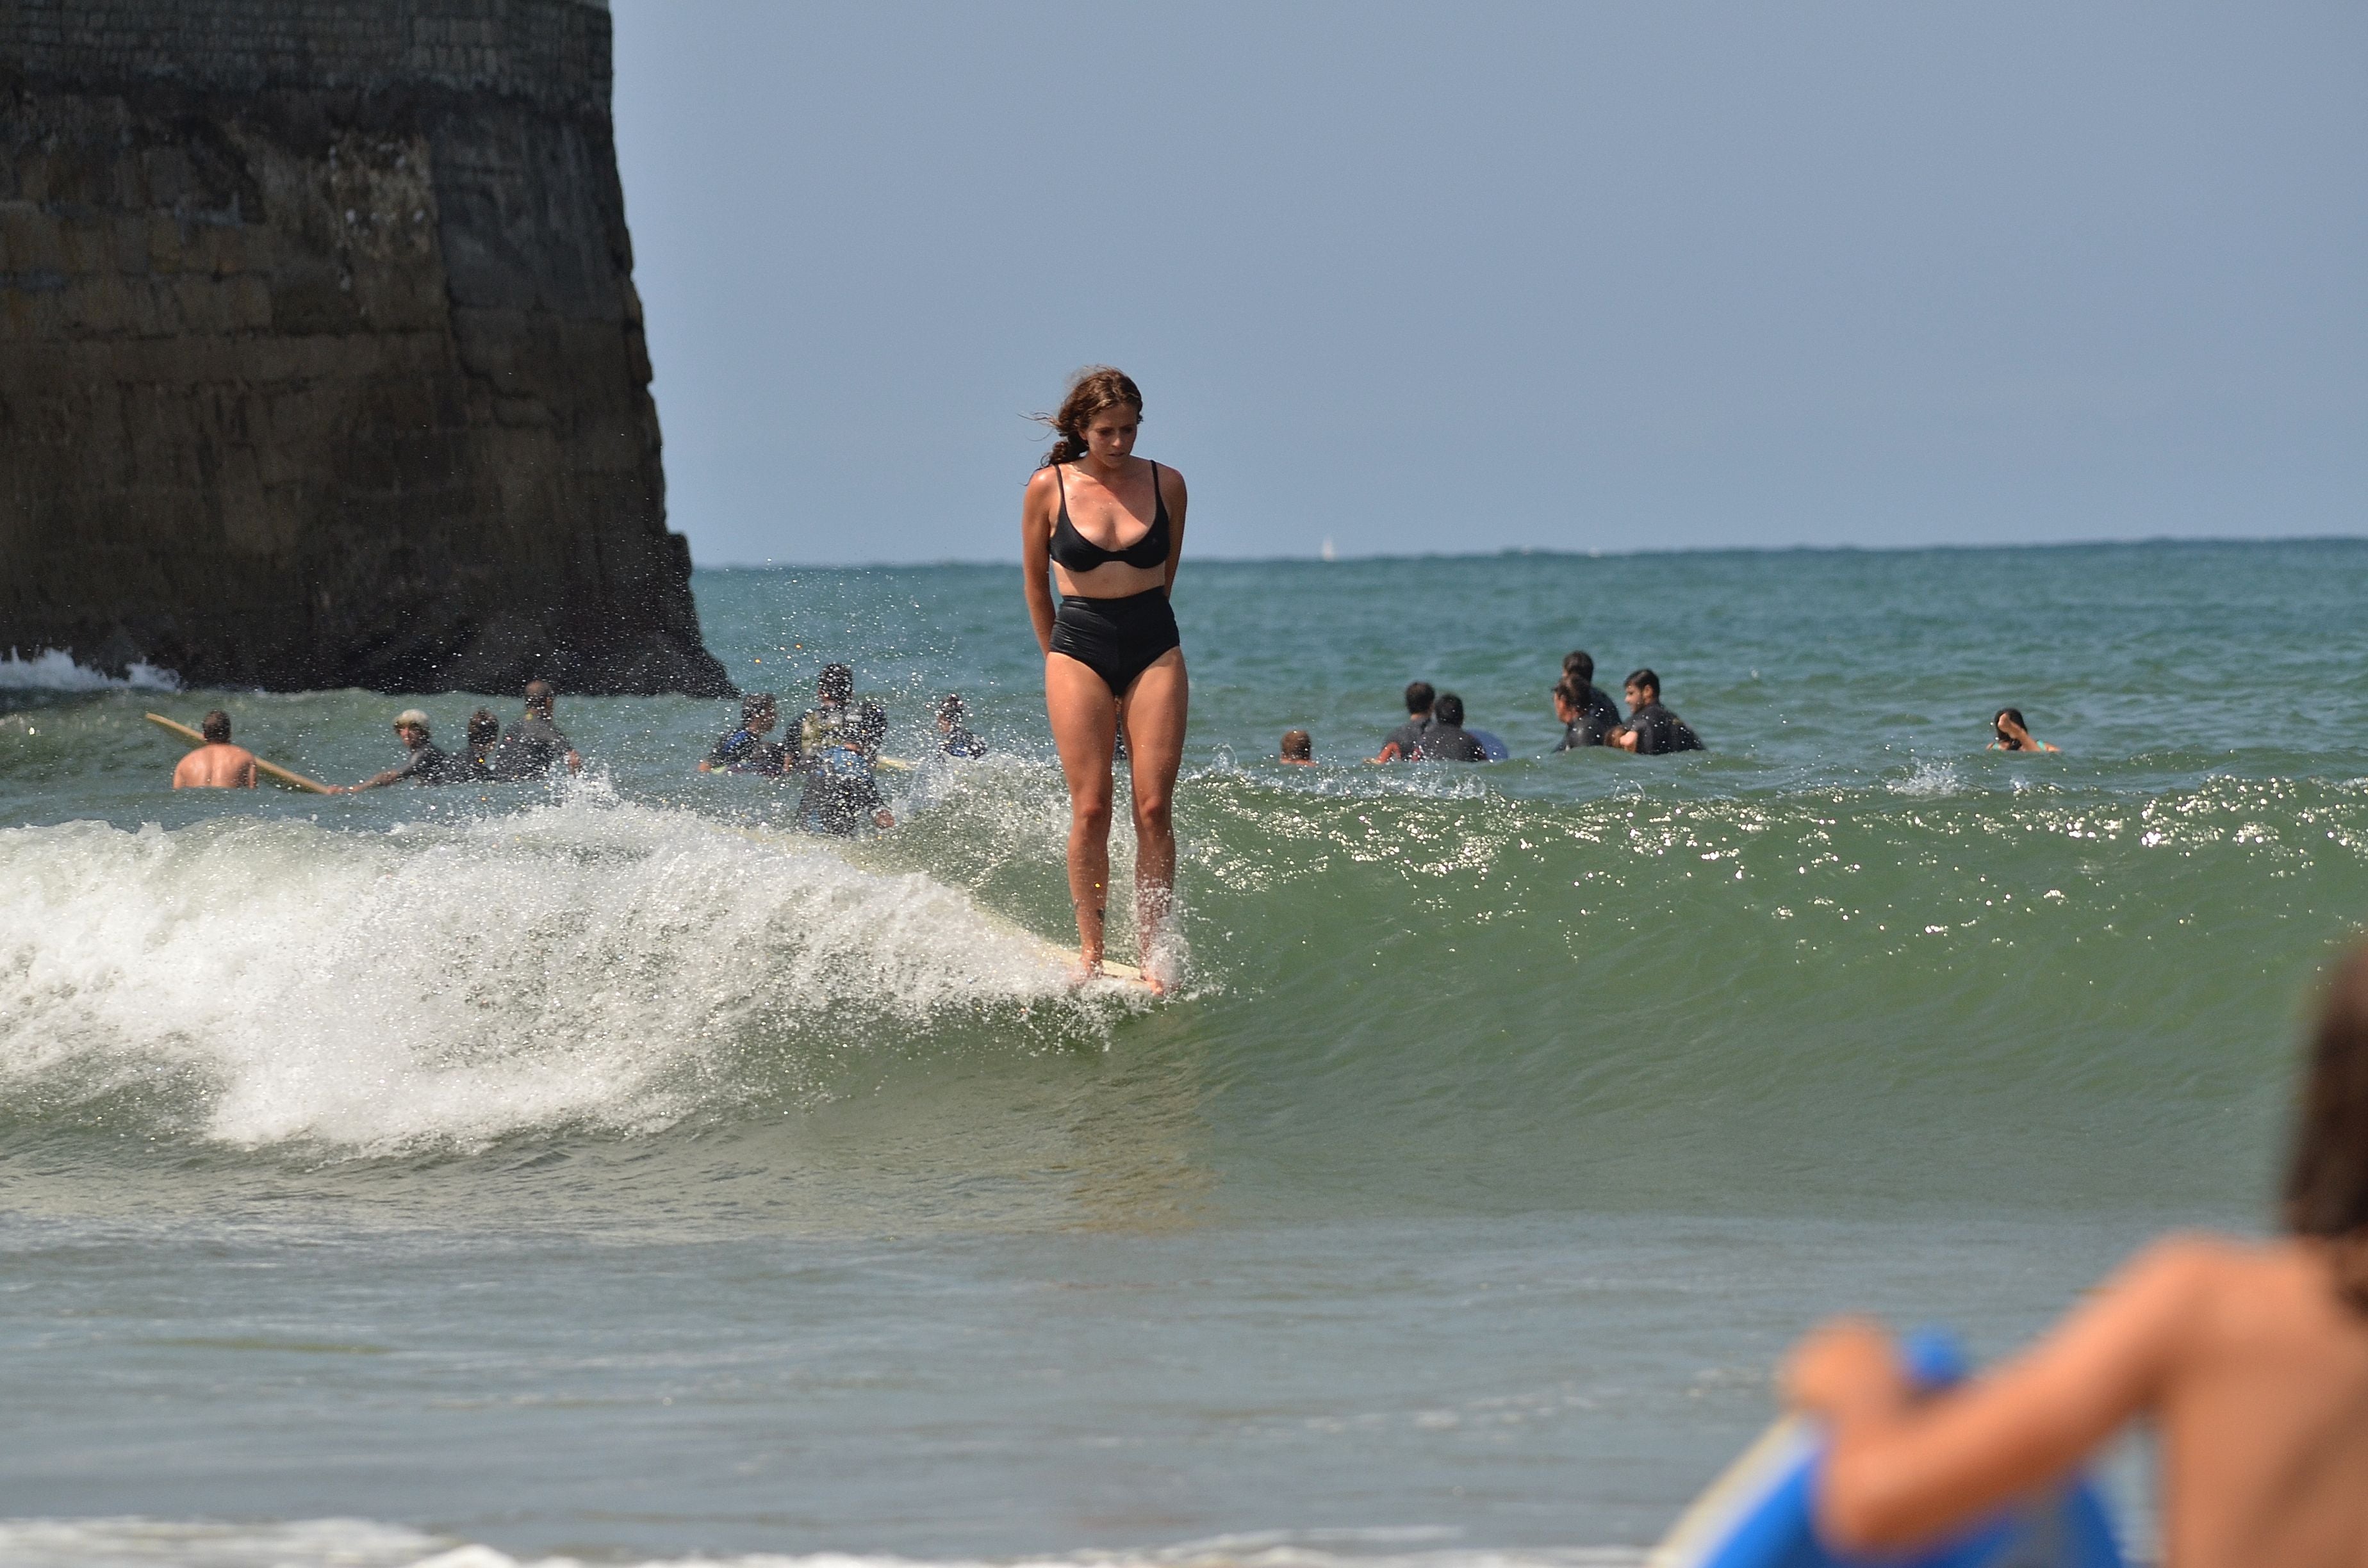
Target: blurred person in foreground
[[217, 764], [2250, 1358], [1299, 746]]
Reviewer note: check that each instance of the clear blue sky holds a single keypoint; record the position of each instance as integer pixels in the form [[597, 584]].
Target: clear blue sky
[[1471, 276]]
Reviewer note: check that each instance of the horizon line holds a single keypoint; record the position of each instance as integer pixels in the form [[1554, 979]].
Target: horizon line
[[1532, 552]]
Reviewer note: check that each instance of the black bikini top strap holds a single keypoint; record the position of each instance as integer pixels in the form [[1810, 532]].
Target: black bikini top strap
[[1159, 500]]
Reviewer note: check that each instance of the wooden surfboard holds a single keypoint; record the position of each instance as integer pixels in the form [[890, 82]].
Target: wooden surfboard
[[270, 769]]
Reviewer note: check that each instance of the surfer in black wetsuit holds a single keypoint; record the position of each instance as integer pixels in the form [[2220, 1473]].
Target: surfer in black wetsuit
[[1651, 730], [954, 735], [1447, 739], [474, 762], [535, 744], [1405, 742], [425, 764], [832, 690], [841, 786], [745, 749], [1586, 712]]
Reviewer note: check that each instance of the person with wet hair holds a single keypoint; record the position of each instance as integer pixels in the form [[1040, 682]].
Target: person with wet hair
[[746, 750], [535, 744], [1651, 730], [217, 764], [955, 737], [1446, 739], [1299, 747], [2250, 1358], [1105, 528], [1405, 742], [1588, 714], [2010, 733]]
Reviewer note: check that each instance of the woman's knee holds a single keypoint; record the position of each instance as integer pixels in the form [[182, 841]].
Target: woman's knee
[[1090, 813], [1152, 815]]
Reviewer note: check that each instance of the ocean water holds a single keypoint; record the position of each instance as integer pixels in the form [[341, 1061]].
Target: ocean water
[[606, 1171]]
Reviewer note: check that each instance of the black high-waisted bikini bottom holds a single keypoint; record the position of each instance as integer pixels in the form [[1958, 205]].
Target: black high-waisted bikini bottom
[[1117, 639]]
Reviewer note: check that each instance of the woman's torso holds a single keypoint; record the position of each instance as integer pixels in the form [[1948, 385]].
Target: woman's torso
[[1093, 522]]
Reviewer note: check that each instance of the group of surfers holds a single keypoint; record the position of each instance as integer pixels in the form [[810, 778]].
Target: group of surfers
[[529, 749], [834, 747]]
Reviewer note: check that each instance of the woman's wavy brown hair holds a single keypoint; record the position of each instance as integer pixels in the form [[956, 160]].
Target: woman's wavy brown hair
[[2327, 1179], [1091, 389]]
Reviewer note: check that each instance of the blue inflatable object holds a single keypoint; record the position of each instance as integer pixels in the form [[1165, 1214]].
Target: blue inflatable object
[[1760, 1513], [1490, 744]]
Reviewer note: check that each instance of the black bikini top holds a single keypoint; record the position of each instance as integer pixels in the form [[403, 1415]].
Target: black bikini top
[[1075, 553]]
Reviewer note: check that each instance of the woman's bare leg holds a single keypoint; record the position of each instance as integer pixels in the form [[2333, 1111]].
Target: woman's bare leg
[[1155, 706], [1084, 723]]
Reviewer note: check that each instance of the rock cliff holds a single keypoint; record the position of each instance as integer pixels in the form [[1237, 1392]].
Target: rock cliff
[[320, 359]]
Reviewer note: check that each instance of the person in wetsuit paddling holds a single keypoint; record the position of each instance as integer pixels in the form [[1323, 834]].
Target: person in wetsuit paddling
[[1105, 528], [1651, 730], [1405, 742], [1588, 714]]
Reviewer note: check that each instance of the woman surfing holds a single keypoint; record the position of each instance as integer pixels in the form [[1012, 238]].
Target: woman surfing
[[1105, 528]]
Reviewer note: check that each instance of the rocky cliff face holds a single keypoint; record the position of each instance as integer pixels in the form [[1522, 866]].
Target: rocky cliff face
[[320, 359]]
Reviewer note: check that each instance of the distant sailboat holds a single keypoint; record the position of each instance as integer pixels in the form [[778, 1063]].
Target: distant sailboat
[[1329, 551]]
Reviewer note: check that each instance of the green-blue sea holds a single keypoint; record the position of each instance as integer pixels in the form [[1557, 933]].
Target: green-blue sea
[[605, 1169]]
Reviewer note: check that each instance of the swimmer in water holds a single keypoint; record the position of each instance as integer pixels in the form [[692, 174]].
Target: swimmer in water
[[423, 761], [1105, 528], [1651, 730], [745, 749], [2013, 734], [217, 764], [1405, 742], [2251, 1360], [1587, 715], [954, 734], [1299, 746], [1447, 739]]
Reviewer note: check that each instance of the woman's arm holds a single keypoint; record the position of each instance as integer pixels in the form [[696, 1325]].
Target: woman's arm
[[1177, 500], [1901, 1472], [1036, 554]]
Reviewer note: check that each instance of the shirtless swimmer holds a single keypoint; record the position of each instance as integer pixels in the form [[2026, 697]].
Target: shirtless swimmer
[[217, 764]]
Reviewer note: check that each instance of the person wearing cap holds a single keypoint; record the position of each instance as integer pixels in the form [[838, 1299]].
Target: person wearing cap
[[425, 765]]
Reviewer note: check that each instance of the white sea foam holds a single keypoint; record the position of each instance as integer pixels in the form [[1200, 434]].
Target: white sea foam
[[583, 962], [362, 1543], [54, 670], [1926, 778]]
